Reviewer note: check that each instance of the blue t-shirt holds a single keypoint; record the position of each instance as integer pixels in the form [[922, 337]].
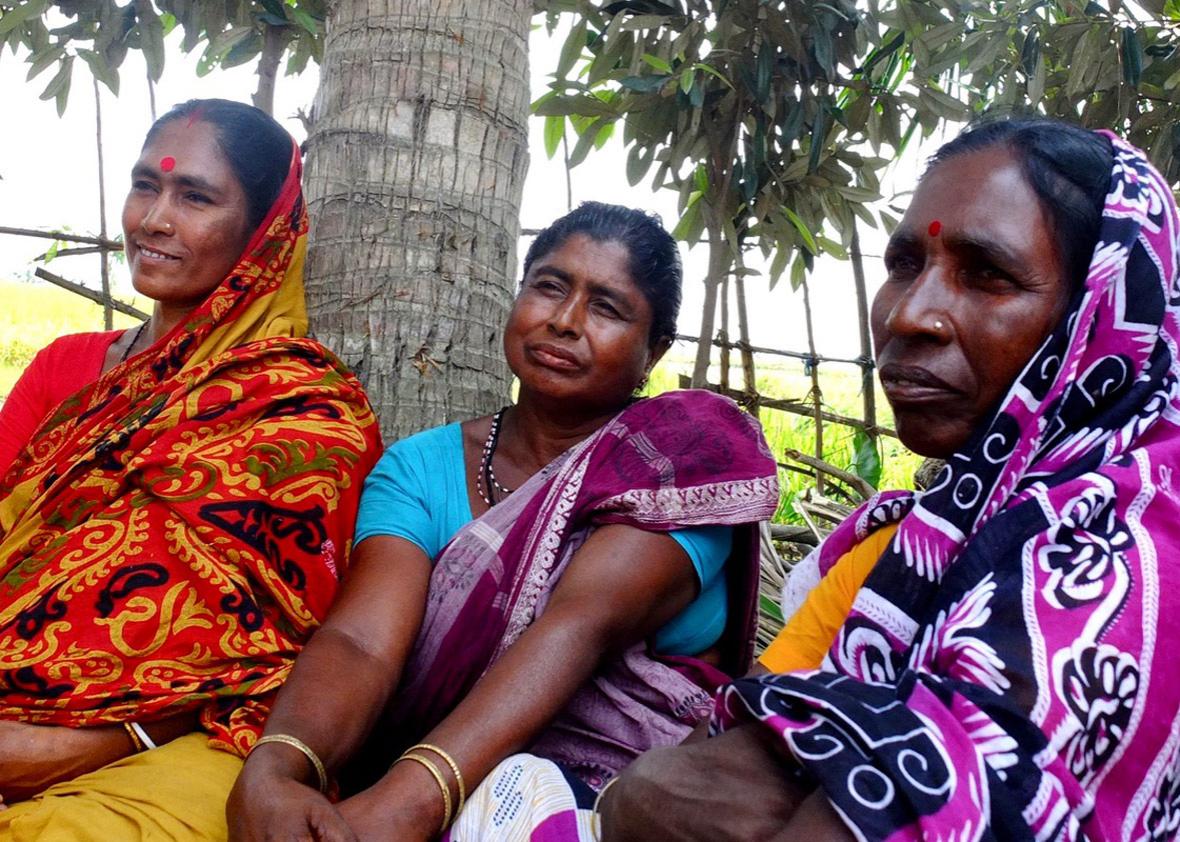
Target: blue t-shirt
[[418, 491]]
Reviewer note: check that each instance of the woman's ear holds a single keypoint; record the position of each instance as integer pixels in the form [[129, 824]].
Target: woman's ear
[[657, 351]]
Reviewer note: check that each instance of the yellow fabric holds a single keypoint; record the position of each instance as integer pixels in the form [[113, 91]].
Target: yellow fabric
[[808, 636], [175, 793]]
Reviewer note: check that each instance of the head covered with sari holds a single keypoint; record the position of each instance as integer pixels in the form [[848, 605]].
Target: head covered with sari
[[175, 531], [1004, 673]]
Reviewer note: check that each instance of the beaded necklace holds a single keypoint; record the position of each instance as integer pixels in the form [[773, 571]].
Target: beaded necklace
[[486, 484]]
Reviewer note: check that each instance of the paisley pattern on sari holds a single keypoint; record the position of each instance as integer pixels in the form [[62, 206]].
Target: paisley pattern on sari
[[1004, 672], [174, 532]]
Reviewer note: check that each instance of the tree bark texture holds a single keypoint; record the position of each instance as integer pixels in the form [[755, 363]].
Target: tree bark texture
[[415, 168]]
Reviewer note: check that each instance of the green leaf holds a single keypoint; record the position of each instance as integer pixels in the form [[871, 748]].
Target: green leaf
[[688, 222], [644, 84], [40, 61], [243, 51], [151, 38], [658, 63], [801, 227], [770, 609], [831, 247], [305, 21], [554, 132], [17, 16], [686, 79], [60, 80], [101, 70], [275, 8], [571, 50], [1030, 53], [700, 178], [867, 459], [639, 160], [1132, 55]]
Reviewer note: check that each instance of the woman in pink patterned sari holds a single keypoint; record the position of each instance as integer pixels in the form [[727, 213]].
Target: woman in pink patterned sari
[[1002, 672]]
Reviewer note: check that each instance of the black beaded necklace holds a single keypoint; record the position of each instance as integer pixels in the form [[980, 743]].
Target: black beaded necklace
[[134, 339], [485, 478]]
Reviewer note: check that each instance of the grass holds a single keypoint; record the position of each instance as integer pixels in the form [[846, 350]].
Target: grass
[[39, 313], [36, 315], [841, 389]]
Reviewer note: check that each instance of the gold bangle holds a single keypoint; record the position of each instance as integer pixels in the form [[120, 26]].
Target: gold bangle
[[450, 761], [438, 779], [601, 793], [304, 748], [136, 743]]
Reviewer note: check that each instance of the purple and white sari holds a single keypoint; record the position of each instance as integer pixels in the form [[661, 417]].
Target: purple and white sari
[[678, 460], [1004, 673]]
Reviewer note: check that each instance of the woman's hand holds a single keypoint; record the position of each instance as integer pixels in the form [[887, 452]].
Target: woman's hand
[[32, 757], [732, 787], [268, 802], [405, 805]]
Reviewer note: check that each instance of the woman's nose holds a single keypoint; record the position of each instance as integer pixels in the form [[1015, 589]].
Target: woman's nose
[[923, 310], [566, 318], [155, 221]]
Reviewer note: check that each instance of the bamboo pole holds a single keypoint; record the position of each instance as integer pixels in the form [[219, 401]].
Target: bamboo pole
[[748, 373], [64, 236], [104, 267], [723, 334], [97, 297], [795, 408], [796, 355], [816, 394], [867, 381]]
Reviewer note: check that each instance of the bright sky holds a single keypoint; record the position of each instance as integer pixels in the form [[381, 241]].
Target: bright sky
[[49, 180]]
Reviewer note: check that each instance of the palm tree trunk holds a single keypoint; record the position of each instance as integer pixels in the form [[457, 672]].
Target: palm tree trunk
[[416, 163]]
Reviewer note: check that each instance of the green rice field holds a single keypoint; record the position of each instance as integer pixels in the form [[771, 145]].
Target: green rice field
[[37, 313]]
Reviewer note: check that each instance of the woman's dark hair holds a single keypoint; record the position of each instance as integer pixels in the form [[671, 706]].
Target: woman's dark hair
[[258, 149], [654, 260], [1068, 167]]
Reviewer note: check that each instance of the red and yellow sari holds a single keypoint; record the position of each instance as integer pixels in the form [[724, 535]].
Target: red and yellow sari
[[174, 532]]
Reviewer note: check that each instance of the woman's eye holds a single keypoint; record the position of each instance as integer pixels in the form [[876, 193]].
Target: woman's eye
[[606, 308], [990, 277], [141, 185], [199, 198], [902, 267]]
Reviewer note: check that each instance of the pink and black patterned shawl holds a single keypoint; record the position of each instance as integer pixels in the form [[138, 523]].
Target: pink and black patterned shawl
[[1008, 670]]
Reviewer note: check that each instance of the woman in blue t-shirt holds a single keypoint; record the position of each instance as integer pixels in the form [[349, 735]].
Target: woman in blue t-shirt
[[570, 577]]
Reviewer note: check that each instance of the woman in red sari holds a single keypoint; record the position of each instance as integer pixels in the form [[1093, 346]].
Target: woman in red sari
[[173, 527]]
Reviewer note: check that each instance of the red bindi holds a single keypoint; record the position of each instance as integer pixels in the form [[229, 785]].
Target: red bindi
[[935, 228], [167, 163]]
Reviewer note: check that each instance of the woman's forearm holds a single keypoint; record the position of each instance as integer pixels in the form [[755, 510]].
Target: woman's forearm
[[604, 603], [342, 679], [335, 694]]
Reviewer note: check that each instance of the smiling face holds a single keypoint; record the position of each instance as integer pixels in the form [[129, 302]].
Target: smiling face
[[185, 220], [968, 301], [579, 330]]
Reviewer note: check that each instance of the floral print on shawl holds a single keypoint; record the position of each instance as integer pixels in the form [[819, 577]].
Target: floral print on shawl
[[1005, 672]]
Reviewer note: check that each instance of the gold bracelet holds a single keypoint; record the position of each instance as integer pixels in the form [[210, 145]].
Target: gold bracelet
[[442, 785], [136, 743], [304, 748], [450, 761], [601, 793]]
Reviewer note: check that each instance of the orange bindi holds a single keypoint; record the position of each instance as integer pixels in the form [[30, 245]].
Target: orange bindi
[[935, 228], [167, 163]]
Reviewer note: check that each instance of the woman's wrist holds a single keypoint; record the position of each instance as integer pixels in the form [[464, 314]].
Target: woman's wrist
[[414, 790]]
